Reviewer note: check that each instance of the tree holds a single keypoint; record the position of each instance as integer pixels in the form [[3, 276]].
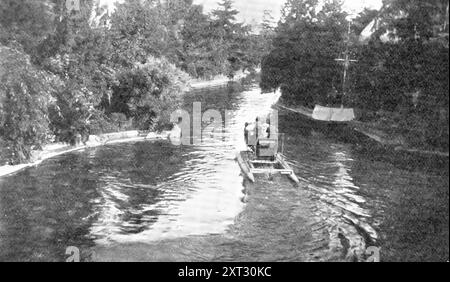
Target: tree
[[231, 36], [413, 19], [217, 44], [148, 93], [193, 32], [199, 50], [268, 24], [224, 19], [295, 10], [415, 60], [173, 15], [25, 23], [136, 32], [25, 93], [262, 43], [81, 56], [403, 66], [305, 46]]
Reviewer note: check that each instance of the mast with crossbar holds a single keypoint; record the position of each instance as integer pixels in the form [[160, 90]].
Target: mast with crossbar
[[346, 61]]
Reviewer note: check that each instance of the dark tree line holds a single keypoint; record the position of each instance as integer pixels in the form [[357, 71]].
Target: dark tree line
[[402, 69], [66, 73]]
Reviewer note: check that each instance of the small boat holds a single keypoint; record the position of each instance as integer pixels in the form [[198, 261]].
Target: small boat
[[252, 166], [262, 155]]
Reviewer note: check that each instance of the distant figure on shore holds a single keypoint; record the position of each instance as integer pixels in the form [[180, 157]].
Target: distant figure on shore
[[332, 97]]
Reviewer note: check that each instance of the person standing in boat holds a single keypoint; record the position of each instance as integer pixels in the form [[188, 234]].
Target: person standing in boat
[[246, 133], [262, 127], [255, 131], [250, 135], [266, 128]]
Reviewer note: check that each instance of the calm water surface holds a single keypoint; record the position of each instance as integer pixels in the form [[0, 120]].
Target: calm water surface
[[158, 202]]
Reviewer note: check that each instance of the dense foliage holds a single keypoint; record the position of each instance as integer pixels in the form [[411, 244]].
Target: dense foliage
[[24, 98], [305, 46], [407, 75], [109, 69], [148, 92], [66, 73], [402, 70]]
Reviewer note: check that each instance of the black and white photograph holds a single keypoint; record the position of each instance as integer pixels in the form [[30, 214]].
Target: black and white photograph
[[224, 131]]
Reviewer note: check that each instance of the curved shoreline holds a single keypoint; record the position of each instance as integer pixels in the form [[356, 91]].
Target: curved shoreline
[[219, 81], [56, 149]]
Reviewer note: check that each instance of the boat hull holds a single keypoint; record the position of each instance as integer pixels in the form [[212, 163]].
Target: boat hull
[[242, 160], [250, 167]]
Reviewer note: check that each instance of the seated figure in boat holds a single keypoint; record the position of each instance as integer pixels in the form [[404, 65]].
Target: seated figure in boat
[[252, 132], [267, 146], [257, 137]]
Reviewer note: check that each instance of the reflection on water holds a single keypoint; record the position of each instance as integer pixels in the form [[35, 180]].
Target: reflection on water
[[156, 201], [202, 194], [373, 201], [193, 200]]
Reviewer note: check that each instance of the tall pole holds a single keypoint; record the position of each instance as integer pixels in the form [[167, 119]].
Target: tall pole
[[346, 62]]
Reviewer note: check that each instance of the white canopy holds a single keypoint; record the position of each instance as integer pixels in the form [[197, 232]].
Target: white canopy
[[333, 114]]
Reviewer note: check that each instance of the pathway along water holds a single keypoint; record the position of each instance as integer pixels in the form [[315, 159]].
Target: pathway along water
[[159, 202]]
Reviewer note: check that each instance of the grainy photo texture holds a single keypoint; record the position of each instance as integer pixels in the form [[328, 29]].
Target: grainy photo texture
[[224, 131]]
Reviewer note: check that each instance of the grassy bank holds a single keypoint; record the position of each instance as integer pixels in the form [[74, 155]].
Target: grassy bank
[[410, 132], [391, 132]]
